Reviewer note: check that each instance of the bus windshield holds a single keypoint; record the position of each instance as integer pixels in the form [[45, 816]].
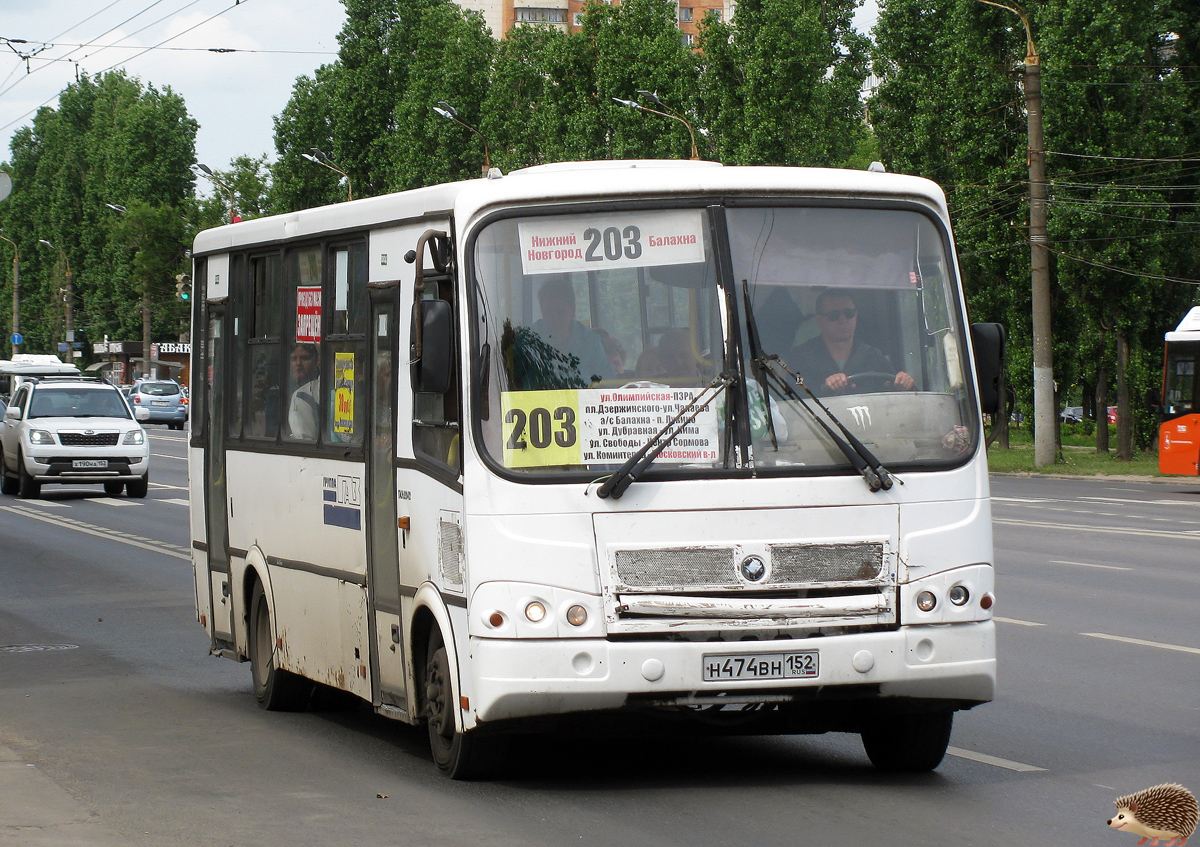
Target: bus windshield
[[595, 329]]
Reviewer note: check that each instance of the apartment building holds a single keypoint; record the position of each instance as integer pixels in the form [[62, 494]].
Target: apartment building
[[567, 15]]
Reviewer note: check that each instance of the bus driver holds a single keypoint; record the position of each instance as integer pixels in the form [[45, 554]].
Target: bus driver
[[825, 361]]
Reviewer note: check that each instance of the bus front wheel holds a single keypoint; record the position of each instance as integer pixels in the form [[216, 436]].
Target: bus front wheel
[[459, 755], [275, 689], [909, 743]]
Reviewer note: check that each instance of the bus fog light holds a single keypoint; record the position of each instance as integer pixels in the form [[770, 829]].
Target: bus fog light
[[577, 616], [926, 601], [496, 620], [959, 595], [535, 611]]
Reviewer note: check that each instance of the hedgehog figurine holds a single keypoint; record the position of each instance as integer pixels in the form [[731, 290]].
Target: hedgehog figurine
[[1164, 811]]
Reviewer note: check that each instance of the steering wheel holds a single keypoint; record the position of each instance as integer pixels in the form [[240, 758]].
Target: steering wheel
[[874, 381]]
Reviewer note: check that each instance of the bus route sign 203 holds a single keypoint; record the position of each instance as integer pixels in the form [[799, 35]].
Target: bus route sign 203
[[597, 242], [602, 426]]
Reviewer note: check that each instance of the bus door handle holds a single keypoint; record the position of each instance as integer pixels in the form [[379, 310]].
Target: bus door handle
[[395, 634]]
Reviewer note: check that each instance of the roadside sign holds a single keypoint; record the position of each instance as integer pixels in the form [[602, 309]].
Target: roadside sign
[[17, 338]]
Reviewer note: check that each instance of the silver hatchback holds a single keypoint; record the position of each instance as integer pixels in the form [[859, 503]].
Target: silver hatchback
[[163, 399]]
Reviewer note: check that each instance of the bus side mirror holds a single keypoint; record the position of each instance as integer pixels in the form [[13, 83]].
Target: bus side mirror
[[988, 340], [433, 360]]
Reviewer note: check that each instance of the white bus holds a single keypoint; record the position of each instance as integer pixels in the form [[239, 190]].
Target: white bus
[[517, 452]]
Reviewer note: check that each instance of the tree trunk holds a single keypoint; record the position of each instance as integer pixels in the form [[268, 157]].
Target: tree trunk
[[1102, 399], [1124, 412], [147, 369]]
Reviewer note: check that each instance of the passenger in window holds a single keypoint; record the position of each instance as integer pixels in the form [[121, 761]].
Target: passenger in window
[[614, 351], [828, 361], [671, 358], [303, 409], [558, 328]]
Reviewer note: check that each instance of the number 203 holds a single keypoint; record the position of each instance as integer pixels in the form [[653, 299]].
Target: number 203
[[616, 243], [541, 429]]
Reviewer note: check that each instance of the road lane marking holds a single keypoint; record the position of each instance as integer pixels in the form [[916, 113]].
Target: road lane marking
[[90, 529], [51, 504], [985, 759], [1150, 533], [1016, 621], [113, 501], [172, 487], [1143, 643], [177, 501], [1020, 500], [165, 456], [1090, 565], [1144, 502]]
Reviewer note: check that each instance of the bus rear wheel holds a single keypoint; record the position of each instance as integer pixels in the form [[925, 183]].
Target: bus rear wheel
[[909, 743], [275, 689], [459, 755]]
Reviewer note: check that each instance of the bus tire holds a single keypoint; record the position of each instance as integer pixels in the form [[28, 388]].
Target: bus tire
[[909, 743], [459, 755], [275, 689]]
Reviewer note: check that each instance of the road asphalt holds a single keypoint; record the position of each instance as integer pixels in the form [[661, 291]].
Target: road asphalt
[[35, 812]]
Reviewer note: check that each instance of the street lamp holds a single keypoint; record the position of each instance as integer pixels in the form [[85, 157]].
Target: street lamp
[[319, 158], [451, 114], [206, 172], [669, 113], [16, 292], [69, 296], [1039, 259]]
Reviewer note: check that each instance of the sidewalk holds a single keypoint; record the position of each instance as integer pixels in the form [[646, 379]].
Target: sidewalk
[[35, 812]]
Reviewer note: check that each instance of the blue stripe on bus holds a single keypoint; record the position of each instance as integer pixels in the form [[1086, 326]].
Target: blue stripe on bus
[[342, 516]]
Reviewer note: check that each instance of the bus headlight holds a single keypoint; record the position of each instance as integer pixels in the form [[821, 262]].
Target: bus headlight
[[535, 612], [577, 616], [926, 601], [959, 595]]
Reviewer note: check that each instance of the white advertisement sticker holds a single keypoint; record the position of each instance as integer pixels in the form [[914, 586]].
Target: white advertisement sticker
[[638, 239]]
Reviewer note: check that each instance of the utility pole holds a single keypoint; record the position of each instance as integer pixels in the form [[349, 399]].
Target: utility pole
[[16, 327], [1039, 256]]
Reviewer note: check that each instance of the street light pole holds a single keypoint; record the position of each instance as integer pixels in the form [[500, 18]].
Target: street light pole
[[451, 114], [1039, 256], [69, 295], [16, 293], [207, 173], [319, 158]]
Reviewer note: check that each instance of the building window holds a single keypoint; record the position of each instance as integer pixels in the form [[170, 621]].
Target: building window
[[714, 14], [532, 15], [687, 39], [579, 19], [685, 14]]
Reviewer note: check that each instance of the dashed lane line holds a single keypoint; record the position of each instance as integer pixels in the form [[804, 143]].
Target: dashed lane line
[[999, 619], [178, 501], [165, 456], [1090, 565], [90, 529], [1107, 530], [996, 761], [1178, 647]]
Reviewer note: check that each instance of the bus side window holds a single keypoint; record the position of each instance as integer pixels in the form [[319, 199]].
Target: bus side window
[[345, 371], [264, 348]]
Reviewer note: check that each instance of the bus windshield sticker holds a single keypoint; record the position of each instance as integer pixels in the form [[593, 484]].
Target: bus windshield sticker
[[597, 242], [343, 397], [601, 426], [308, 314]]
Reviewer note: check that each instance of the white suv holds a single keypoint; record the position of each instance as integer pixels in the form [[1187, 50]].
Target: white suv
[[72, 430]]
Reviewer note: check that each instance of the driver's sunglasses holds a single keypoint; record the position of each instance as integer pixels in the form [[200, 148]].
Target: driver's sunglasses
[[834, 314]]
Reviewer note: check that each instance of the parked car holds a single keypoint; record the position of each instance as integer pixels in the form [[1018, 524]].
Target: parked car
[[163, 398], [1072, 414], [72, 430]]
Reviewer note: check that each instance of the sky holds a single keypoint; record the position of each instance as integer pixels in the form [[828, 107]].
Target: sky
[[170, 43]]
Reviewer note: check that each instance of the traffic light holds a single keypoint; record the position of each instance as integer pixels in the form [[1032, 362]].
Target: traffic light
[[183, 287]]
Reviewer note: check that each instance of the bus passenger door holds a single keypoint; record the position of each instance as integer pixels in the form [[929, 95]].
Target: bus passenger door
[[387, 660], [215, 493]]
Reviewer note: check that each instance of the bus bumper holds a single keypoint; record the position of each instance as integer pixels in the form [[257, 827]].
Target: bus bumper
[[526, 678]]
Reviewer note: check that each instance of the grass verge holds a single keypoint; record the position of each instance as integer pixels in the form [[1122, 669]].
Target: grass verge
[[1079, 456]]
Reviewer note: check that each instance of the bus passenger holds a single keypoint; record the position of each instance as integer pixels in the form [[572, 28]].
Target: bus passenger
[[560, 330], [614, 350], [304, 408], [826, 362]]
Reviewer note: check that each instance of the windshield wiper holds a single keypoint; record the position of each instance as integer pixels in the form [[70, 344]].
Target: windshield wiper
[[636, 464], [862, 459]]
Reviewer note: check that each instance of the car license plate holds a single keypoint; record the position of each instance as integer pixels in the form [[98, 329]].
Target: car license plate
[[89, 464], [160, 403], [760, 666]]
